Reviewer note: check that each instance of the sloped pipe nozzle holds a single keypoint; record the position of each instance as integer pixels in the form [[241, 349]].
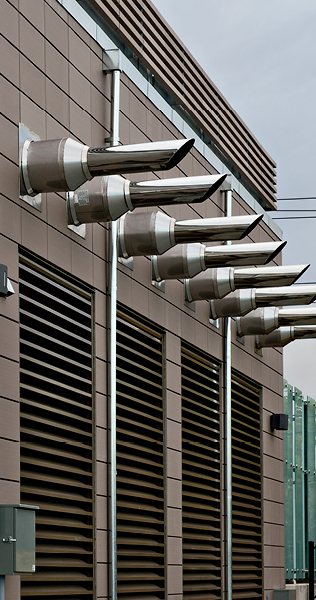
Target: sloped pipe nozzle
[[242, 254], [187, 260], [264, 320], [141, 233], [284, 335], [241, 302], [217, 283], [108, 198], [65, 164], [268, 276]]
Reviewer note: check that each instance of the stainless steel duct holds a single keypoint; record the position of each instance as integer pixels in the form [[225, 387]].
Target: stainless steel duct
[[241, 302], [187, 260], [108, 198], [284, 335], [263, 320], [217, 283], [65, 164], [142, 233]]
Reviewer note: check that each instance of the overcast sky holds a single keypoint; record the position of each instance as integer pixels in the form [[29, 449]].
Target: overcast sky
[[261, 54]]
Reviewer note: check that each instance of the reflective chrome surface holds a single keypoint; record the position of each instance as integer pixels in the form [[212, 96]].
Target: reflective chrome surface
[[65, 164], [268, 276], [215, 229], [158, 192], [141, 233], [240, 302], [285, 296], [284, 335], [278, 338], [184, 260], [297, 316], [137, 158], [211, 284], [259, 321], [242, 254], [235, 304], [264, 320]]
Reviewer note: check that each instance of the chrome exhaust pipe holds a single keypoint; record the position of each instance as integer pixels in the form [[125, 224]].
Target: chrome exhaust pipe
[[187, 260], [65, 164], [143, 233], [108, 198]]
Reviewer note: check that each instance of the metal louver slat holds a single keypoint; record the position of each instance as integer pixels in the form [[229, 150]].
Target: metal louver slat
[[56, 429], [140, 461], [201, 517], [247, 558]]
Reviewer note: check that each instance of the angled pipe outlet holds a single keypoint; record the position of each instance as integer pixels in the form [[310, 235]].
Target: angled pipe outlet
[[187, 260], [65, 164], [264, 320], [240, 302], [268, 276], [108, 198], [217, 283], [284, 335], [142, 233]]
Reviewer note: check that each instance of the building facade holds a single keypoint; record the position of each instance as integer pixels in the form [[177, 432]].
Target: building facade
[[170, 417]]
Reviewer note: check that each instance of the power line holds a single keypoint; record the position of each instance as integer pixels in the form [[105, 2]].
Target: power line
[[304, 198], [286, 218]]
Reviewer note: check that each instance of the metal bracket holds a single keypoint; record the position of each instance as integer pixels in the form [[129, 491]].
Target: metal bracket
[[26, 134], [112, 60], [9, 539]]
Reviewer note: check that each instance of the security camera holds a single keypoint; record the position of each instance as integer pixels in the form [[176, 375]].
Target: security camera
[[65, 164], [241, 302], [263, 320], [108, 198], [142, 233], [6, 288], [187, 260], [217, 283]]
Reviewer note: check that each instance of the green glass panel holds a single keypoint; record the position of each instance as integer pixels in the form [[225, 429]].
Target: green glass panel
[[288, 483], [311, 470], [299, 511]]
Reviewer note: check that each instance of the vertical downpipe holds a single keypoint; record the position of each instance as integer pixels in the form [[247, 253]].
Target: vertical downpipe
[[111, 329], [227, 189]]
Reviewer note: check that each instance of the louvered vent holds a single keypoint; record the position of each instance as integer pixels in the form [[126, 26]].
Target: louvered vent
[[56, 429], [201, 511], [246, 491], [140, 457]]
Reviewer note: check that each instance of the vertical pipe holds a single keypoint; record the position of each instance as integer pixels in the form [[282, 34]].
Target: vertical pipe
[[311, 570], [111, 325], [228, 447], [2, 587]]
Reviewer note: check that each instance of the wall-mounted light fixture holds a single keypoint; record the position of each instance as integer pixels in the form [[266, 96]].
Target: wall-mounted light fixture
[[6, 288], [280, 422]]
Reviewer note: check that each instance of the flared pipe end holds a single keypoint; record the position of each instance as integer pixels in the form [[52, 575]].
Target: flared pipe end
[[279, 248]]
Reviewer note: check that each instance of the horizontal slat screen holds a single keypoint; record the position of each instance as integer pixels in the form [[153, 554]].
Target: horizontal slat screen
[[140, 461], [151, 39], [247, 559], [201, 502], [56, 429]]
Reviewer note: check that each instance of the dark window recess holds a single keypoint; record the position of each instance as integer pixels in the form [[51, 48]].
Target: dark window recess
[[201, 510], [56, 429], [247, 562], [140, 458]]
